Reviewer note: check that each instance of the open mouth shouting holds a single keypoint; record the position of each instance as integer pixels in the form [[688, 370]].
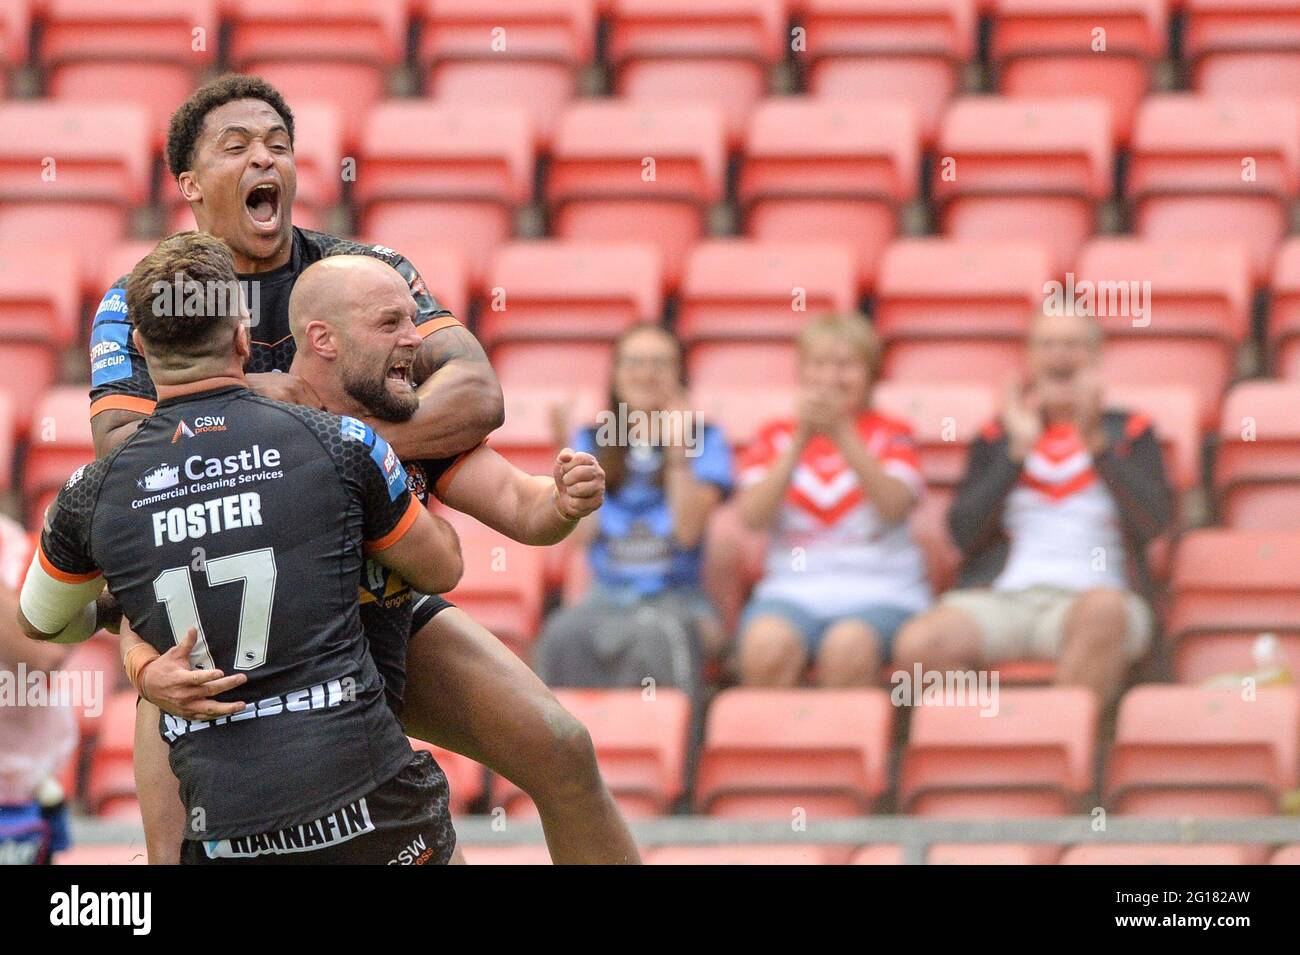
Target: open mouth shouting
[[400, 371], [262, 203]]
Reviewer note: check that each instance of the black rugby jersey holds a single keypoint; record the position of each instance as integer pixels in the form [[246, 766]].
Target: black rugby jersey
[[119, 378], [250, 519], [387, 601]]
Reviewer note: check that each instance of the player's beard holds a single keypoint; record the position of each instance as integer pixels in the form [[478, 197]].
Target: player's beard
[[372, 392]]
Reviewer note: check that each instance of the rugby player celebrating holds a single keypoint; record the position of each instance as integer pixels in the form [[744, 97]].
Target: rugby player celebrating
[[257, 567], [230, 147]]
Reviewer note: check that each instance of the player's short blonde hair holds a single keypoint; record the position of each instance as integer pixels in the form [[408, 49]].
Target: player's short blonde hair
[[854, 329]]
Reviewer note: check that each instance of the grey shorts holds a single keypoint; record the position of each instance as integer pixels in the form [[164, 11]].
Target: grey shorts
[[1030, 624]]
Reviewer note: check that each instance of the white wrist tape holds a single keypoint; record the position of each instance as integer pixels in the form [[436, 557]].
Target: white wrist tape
[[65, 611]]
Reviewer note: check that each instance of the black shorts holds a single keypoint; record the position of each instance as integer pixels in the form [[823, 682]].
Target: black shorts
[[406, 821], [425, 608]]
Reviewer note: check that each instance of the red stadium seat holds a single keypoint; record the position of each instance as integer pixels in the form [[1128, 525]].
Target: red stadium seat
[[333, 50], [72, 169], [693, 51], [768, 752], [741, 411], [743, 363], [1024, 169], [1184, 750], [525, 54], [817, 171], [585, 365], [59, 439], [1242, 47], [905, 51], [1051, 48], [957, 311], [528, 439], [945, 419], [1284, 311], [640, 745], [570, 290], [1257, 465], [1033, 757], [39, 302], [741, 854], [501, 587], [1228, 587], [454, 172], [1203, 855], [1216, 169], [737, 289], [143, 53], [112, 776], [466, 779], [993, 854], [623, 171], [1197, 315]]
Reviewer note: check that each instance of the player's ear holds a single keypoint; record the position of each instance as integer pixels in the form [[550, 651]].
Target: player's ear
[[189, 187], [322, 339], [243, 341]]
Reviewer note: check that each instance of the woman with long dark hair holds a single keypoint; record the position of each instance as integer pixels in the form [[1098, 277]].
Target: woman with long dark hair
[[665, 471]]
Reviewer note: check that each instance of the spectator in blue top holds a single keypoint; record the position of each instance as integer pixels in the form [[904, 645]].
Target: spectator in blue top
[[665, 471]]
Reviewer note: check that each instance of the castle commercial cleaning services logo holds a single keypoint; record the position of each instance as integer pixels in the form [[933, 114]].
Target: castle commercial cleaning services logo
[[161, 478]]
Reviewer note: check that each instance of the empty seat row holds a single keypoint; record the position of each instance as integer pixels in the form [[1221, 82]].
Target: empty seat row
[[1008, 168]]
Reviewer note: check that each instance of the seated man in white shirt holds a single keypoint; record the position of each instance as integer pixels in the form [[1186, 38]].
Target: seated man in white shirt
[[1061, 497]]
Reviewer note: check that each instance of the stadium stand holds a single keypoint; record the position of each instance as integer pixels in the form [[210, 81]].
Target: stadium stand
[[816, 171], [467, 167], [1215, 169], [910, 51], [1032, 756], [691, 51], [632, 171], [768, 751], [1183, 750], [528, 54], [1242, 47], [1060, 48], [148, 54], [1028, 169]]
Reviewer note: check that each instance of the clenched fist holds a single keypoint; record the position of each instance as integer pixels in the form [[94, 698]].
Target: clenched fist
[[579, 484]]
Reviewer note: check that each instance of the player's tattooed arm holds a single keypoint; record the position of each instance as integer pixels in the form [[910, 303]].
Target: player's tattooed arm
[[460, 398], [110, 428]]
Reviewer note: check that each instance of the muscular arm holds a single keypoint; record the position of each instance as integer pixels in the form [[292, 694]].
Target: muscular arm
[[460, 399], [427, 554], [494, 492], [110, 428]]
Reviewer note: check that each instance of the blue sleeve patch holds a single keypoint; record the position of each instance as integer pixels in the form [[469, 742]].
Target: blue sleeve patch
[[112, 307], [356, 430], [380, 452], [391, 468], [109, 359]]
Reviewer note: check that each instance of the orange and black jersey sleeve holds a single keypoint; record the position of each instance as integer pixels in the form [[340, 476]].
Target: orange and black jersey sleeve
[[118, 376], [370, 470], [65, 545]]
